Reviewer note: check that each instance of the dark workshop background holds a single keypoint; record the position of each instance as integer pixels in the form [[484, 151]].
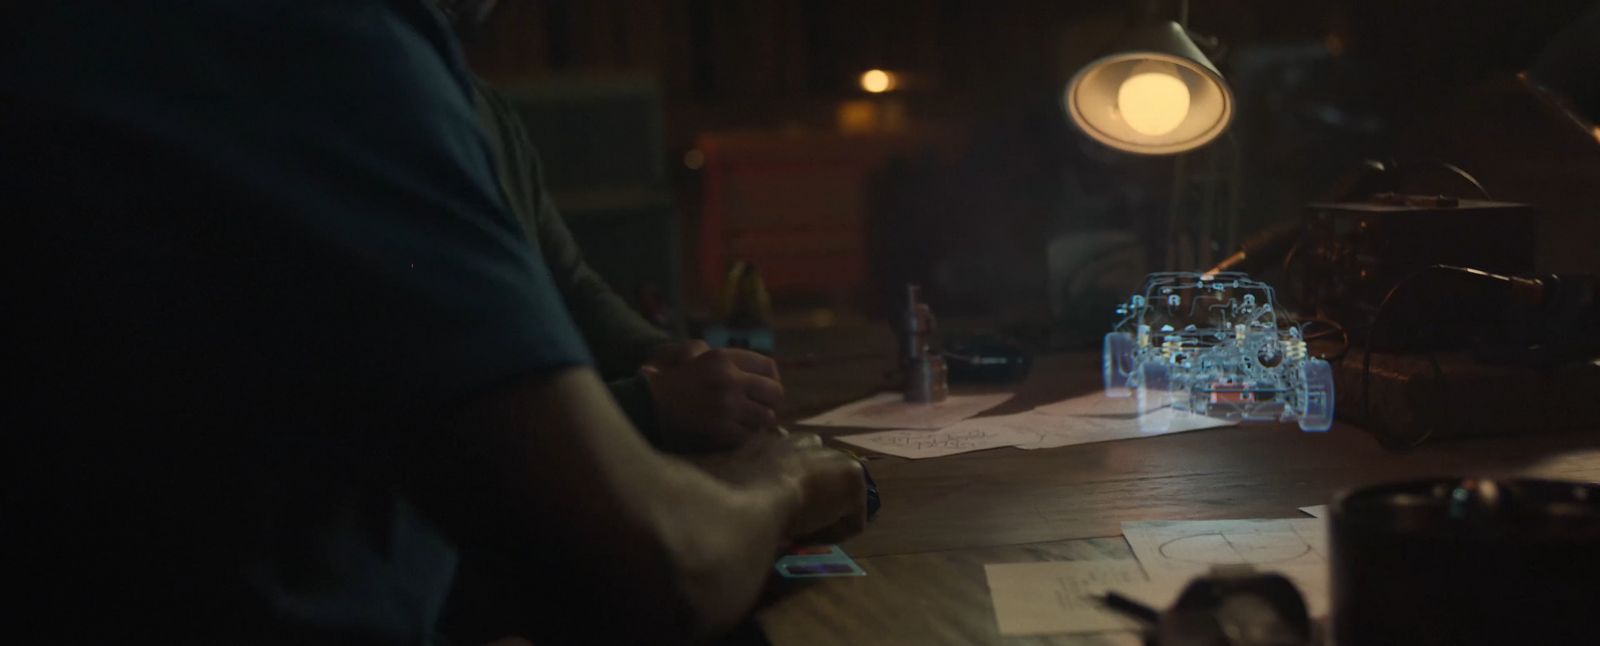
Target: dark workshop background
[[686, 134]]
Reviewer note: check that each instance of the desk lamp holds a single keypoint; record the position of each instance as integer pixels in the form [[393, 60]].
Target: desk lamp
[[1156, 95]]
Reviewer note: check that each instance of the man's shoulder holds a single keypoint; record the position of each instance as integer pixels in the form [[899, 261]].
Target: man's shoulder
[[500, 117]]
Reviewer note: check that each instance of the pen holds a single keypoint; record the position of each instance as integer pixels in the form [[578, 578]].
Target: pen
[[1132, 609]]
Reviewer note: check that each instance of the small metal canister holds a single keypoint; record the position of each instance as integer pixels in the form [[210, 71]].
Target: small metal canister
[[927, 380], [927, 377]]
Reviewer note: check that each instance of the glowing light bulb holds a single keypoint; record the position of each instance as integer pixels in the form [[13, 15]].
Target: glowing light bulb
[[877, 81], [1153, 100]]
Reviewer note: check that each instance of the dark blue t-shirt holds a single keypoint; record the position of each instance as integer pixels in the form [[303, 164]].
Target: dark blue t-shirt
[[254, 253]]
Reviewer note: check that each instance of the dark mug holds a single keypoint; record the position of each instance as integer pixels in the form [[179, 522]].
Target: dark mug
[[1467, 561]]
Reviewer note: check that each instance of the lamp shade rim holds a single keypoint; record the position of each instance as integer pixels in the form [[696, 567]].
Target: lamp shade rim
[[1162, 42]]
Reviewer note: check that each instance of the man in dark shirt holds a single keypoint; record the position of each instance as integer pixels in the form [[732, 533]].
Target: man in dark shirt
[[680, 394], [285, 348]]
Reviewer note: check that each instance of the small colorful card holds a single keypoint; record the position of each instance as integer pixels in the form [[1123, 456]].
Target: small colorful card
[[816, 561]]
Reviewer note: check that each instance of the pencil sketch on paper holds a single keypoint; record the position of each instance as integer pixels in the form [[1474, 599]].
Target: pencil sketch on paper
[[1060, 597], [927, 444], [968, 440], [1172, 552], [891, 411], [1190, 546], [1227, 549]]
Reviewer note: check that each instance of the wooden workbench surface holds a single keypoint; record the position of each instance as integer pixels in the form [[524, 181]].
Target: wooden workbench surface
[[943, 518]]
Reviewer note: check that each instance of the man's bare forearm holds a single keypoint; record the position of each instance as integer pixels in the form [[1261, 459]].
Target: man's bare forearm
[[552, 465]]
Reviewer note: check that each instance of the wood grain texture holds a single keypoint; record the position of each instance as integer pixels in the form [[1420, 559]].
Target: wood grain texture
[[943, 518], [1010, 496]]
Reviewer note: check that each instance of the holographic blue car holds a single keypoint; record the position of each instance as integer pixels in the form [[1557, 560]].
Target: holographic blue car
[[1214, 345]]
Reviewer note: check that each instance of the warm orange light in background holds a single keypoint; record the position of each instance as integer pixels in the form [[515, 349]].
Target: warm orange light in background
[[864, 116], [1334, 43], [877, 81], [857, 116], [694, 159]]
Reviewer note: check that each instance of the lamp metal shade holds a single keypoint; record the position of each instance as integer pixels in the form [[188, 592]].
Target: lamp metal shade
[[1091, 98]]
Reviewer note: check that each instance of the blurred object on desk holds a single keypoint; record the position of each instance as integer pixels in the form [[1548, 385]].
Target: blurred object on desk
[[986, 359], [1237, 606], [1466, 561], [744, 313]]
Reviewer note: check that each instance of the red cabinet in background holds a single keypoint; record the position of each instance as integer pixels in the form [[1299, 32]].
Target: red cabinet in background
[[798, 206]]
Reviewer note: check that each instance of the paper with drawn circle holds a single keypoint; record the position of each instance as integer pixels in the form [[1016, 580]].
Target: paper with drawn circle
[[1175, 551], [1233, 549]]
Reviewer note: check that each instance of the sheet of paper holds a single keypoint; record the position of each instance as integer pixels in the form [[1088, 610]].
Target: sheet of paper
[[1050, 431], [1056, 597], [1172, 552], [1316, 511], [1098, 404], [917, 444], [890, 410]]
